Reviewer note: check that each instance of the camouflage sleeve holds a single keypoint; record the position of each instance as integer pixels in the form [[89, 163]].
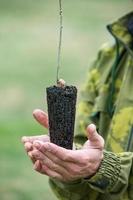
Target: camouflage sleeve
[[111, 179], [71, 191], [113, 175]]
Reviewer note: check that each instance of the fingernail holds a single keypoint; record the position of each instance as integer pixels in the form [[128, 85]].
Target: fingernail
[[28, 146], [24, 139], [37, 145], [91, 127], [37, 112]]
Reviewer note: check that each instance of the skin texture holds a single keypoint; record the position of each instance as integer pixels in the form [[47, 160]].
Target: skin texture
[[62, 164]]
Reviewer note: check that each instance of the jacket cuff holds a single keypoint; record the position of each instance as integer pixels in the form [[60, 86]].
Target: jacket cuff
[[108, 173]]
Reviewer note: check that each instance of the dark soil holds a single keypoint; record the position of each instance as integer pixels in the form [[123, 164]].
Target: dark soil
[[61, 111]]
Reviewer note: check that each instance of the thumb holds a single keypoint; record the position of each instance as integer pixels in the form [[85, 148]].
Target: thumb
[[91, 132], [94, 137], [41, 117]]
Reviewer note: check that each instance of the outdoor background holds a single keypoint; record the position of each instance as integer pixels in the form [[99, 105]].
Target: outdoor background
[[28, 55]]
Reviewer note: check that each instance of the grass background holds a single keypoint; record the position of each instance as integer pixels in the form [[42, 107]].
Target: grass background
[[28, 55]]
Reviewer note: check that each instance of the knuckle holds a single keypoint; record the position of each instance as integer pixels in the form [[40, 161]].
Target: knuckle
[[54, 166]]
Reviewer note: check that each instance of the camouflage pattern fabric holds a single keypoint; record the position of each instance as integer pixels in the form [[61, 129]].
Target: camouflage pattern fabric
[[107, 101]]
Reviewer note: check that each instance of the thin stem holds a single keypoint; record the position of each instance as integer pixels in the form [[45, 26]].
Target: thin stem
[[60, 41]]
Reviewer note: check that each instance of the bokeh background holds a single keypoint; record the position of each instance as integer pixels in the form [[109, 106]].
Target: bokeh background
[[28, 55]]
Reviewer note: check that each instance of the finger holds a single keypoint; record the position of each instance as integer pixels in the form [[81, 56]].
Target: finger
[[60, 154], [91, 132], [37, 155], [43, 169], [51, 173], [95, 139], [47, 171], [31, 157], [41, 156], [70, 171], [66, 174], [53, 166], [31, 139], [41, 117], [28, 146], [38, 166], [49, 163]]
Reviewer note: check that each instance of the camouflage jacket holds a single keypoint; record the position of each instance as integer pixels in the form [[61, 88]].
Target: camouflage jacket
[[107, 101]]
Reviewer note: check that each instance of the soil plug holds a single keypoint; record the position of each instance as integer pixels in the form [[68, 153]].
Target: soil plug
[[61, 102]]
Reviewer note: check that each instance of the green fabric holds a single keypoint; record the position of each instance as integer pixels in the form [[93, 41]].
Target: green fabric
[[107, 101]]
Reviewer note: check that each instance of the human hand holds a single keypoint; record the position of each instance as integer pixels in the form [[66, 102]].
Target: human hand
[[67, 165], [42, 118]]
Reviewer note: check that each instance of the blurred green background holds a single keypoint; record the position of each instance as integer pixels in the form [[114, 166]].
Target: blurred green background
[[28, 56]]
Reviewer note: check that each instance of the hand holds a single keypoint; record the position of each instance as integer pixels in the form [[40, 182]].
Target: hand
[[66, 165], [42, 118]]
